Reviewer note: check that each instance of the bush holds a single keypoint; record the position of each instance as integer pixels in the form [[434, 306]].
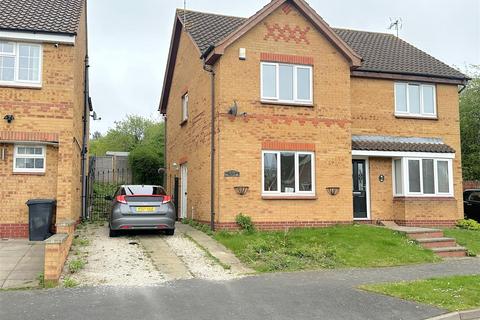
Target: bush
[[469, 224], [245, 223], [145, 163]]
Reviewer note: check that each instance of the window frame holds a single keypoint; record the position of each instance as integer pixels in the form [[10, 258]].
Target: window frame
[[16, 82], [276, 98], [185, 101], [297, 181], [29, 156], [405, 192], [422, 113]]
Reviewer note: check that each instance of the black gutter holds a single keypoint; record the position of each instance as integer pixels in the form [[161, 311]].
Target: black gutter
[[209, 69], [86, 118]]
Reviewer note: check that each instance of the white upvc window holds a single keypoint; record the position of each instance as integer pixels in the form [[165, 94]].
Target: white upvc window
[[185, 107], [288, 173], [415, 100], [287, 83], [20, 64], [29, 159], [422, 177]]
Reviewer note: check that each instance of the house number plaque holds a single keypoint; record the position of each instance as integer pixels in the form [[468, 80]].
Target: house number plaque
[[232, 174]]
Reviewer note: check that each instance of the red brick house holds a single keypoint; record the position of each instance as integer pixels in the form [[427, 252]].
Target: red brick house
[[290, 121]]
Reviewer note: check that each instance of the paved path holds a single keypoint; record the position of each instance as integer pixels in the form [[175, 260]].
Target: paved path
[[21, 261], [328, 295]]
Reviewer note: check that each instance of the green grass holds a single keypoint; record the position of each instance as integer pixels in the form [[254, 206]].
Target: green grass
[[334, 247], [451, 293], [76, 265], [69, 283], [470, 239]]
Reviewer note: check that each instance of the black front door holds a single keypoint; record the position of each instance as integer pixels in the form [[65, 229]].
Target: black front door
[[359, 190]]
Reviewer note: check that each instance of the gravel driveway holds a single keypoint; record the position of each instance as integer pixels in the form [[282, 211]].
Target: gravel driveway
[[125, 261]]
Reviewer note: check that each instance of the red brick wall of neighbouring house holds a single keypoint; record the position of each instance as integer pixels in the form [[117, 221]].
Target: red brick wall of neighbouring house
[[471, 184], [52, 113]]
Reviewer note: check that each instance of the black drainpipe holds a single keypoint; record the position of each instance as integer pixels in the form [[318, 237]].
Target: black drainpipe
[[86, 117], [209, 68]]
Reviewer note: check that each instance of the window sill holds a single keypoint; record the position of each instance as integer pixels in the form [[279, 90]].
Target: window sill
[[183, 123], [287, 104], [21, 85], [418, 117], [281, 197], [29, 173], [426, 198]]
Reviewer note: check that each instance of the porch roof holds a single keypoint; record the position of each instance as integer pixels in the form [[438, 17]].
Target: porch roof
[[400, 144]]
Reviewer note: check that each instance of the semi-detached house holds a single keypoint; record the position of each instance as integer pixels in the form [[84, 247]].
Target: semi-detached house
[[290, 121]]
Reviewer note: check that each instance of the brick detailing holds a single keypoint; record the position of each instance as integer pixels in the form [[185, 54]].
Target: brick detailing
[[287, 146], [14, 230], [286, 33], [279, 225], [28, 136], [287, 8], [183, 160], [286, 58], [281, 119]]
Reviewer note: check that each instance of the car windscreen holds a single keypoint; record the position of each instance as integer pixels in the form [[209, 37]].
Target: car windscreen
[[144, 190]]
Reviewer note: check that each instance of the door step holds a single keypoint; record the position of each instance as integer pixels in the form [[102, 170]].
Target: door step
[[446, 252], [437, 242]]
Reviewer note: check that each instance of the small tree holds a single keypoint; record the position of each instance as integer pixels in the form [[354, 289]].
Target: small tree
[[145, 162]]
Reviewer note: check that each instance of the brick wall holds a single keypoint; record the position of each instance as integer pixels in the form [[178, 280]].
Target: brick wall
[[54, 109]]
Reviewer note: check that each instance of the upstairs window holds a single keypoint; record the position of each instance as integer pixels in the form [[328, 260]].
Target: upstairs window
[[414, 99], [29, 159], [286, 83], [185, 107], [20, 63]]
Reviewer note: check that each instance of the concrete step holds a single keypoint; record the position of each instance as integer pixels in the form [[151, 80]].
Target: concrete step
[[424, 234], [450, 251], [437, 242]]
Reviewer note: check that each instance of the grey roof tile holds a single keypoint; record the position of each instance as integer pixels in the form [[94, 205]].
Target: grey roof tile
[[381, 52], [52, 16], [405, 144]]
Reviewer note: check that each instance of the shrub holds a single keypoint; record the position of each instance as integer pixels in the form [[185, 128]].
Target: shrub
[[469, 224], [145, 162], [245, 222]]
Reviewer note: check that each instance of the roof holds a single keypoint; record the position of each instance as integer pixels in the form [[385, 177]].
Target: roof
[[49, 16], [381, 52], [405, 144]]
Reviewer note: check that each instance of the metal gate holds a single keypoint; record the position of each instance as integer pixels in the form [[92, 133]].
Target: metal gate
[[103, 183]]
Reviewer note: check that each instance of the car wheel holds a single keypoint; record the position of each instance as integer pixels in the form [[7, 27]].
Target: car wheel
[[113, 233], [169, 232]]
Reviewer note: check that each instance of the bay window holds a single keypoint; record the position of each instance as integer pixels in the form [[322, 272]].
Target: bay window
[[20, 63], [415, 99], [422, 177], [288, 173], [286, 83]]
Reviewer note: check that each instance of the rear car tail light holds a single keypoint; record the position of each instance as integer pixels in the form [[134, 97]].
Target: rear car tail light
[[121, 199], [126, 227], [166, 199]]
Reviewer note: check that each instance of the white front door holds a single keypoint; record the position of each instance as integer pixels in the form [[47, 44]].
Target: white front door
[[183, 191]]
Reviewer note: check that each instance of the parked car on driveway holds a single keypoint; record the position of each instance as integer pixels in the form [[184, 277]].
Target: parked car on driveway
[[141, 207], [471, 204]]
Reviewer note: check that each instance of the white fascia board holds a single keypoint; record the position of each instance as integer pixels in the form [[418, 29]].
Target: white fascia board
[[37, 37], [401, 154]]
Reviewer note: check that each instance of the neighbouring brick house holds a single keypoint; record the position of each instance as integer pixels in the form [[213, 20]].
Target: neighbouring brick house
[[323, 125], [43, 50]]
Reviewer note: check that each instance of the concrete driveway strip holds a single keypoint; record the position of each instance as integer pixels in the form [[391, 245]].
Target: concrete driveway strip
[[328, 295]]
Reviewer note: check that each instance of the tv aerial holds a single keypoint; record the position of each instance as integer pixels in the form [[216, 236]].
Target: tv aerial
[[395, 23]]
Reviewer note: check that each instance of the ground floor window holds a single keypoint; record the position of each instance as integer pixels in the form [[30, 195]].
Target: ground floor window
[[422, 177], [288, 173], [29, 158]]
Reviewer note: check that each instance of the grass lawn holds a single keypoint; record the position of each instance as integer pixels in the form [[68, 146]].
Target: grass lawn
[[451, 293], [470, 239], [334, 247]]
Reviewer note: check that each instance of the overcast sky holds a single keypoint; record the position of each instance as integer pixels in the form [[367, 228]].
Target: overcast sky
[[129, 40]]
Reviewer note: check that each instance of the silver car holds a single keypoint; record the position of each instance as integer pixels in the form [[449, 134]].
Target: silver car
[[142, 207]]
